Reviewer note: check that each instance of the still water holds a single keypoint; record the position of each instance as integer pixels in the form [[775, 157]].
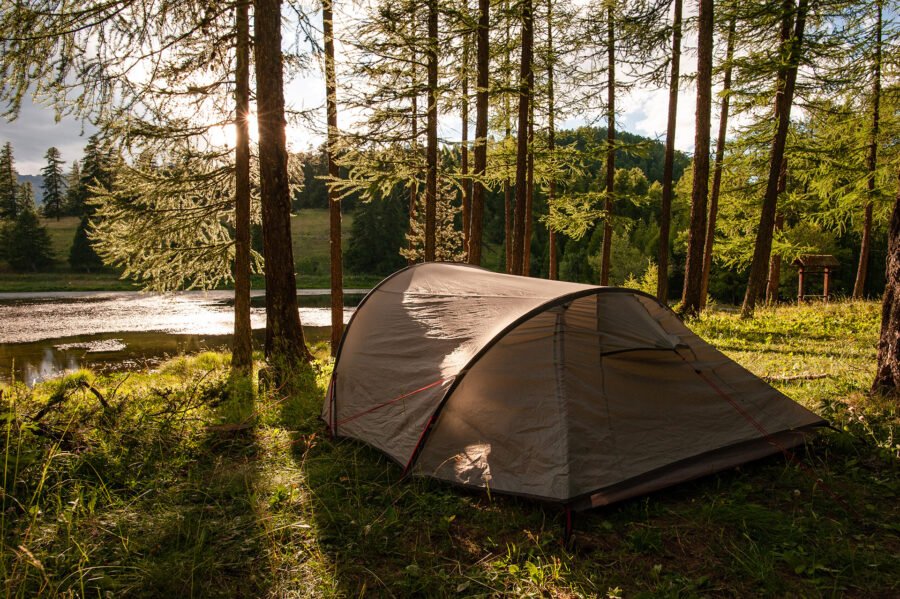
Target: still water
[[45, 334]]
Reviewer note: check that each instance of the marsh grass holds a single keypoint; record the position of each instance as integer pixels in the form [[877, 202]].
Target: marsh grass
[[160, 494]]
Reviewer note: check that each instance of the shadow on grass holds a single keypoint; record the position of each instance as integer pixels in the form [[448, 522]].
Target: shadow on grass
[[767, 528], [140, 500]]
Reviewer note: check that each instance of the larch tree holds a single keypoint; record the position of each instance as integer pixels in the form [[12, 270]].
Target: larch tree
[[431, 128], [610, 140], [54, 184], [691, 298], [718, 165], [284, 335], [665, 217], [872, 154], [482, 60], [887, 374], [791, 50], [334, 204], [242, 341], [526, 87]]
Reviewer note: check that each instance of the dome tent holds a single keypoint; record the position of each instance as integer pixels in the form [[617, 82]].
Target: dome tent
[[559, 391]]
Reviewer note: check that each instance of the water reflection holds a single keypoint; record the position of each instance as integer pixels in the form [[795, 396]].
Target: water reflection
[[42, 336]]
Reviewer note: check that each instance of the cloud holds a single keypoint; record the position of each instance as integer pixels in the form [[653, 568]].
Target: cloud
[[35, 130]]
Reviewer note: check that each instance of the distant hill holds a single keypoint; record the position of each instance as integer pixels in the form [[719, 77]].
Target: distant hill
[[37, 183]]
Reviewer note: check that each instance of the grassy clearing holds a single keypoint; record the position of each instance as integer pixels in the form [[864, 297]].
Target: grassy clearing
[[152, 496], [309, 231]]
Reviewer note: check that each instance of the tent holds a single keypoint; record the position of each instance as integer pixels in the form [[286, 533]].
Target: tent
[[563, 392]]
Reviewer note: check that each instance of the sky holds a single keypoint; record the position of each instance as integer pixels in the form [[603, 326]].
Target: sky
[[642, 111], [36, 129]]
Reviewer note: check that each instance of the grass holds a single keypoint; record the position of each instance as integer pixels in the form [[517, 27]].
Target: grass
[[155, 495], [309, 231]]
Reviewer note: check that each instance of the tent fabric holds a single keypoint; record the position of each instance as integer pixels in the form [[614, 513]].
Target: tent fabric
[[559, 391]]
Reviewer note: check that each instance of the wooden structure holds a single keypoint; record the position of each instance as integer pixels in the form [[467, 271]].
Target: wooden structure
[[814, 264]]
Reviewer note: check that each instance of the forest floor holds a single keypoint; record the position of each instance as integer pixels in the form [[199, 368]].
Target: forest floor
[[151, 493], [309, 229]]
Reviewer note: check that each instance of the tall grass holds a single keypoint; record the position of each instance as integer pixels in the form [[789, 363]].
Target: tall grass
[[190, 482]]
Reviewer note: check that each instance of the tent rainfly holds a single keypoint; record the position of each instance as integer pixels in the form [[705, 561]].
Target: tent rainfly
[[557, 391]]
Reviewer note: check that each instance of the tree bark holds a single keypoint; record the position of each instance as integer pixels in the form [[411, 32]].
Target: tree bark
[[665, 216], [887, 375], [431, 157], [284, 335], [693, 270], [610, 141], [526, 78], [871, 164], [414, 185], [529, 201], [774, 279], [464, 149], [242, 343], [334, 203], [482, 51], [717, 169], [784, 98], [551, 137]]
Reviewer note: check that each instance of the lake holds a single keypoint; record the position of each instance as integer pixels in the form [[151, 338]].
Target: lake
[[45, 334]]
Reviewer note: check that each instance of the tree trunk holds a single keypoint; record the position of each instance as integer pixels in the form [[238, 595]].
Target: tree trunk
[[551, 137], [482, 51], [242, 343], [284, 335], [774, 281], [693, 270], [784, 100], [887, 376], [464, 149], [610, 141], [334, 203], [431, 157], [871, 164], [665, 216], [414, 184], [507, 188], [717, 171], [529, 202], [526, 78]]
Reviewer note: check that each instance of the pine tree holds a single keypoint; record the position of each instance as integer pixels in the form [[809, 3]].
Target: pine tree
[[27, 243], [8, 184], [54, 184], [82, 255], [75, 197]]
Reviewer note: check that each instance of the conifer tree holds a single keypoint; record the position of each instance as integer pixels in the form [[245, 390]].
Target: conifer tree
[[8, 184], [482, 59], [887, 374], [27, 243], [284, 335], [791, 49], [691, 297], [526, 87], [717, 168], [334, 204], [668, 184], [54, 184]]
